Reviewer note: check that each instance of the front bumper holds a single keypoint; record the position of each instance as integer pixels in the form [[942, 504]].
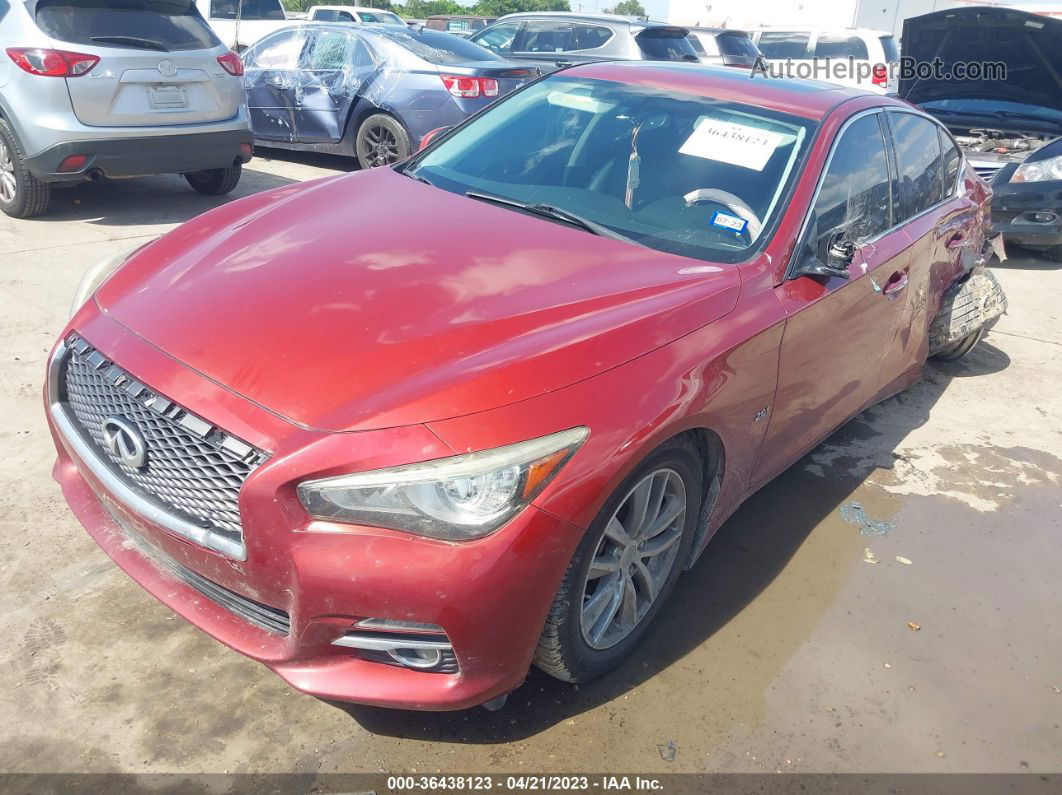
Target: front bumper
[[306, 583], [1016, 205], [137, 157]]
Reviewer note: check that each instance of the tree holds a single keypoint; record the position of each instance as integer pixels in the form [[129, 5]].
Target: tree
[[499, 8], [628, 8], [422, 9]]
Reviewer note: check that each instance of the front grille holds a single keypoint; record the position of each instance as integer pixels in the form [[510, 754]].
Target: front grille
[[191, 469]]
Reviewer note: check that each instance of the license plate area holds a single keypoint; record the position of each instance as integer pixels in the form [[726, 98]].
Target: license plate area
[[167, 97]]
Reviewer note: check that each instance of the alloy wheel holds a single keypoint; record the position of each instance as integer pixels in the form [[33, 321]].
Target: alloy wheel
[[633, 559], [381, 145], [8, 185]]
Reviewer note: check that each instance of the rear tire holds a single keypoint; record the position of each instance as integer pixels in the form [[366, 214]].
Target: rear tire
[[22, 195], [381, 140], [215, 181], [578, 643]]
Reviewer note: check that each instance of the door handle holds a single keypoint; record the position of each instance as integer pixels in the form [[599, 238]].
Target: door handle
[[896, 284]]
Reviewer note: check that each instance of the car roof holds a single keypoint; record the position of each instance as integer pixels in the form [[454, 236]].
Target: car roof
[[355, 8], [739, 31], [614, 18], [810, 99], [822, 29]]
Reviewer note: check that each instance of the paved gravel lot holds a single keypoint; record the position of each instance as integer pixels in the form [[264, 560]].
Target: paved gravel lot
[[783, 649]]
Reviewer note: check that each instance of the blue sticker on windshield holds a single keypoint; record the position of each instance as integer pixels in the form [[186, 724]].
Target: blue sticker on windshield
[[731, 222]]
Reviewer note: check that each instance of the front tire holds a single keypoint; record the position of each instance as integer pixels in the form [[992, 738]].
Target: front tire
[[215, 181], [22, 195], [381, 140], [625, 567]]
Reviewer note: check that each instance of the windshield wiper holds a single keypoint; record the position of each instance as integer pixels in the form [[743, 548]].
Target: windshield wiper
[[556, 213], [417, 177], [133, 41]]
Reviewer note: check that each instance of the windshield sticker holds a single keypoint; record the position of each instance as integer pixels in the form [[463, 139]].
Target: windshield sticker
[[731, 222], [727, 142]]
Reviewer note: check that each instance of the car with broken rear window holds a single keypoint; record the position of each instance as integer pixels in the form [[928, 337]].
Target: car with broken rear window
[[398, 465], [1009, 125]]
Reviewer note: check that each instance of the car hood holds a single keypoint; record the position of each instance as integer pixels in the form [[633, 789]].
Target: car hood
[[372, 300], [1029, 45]]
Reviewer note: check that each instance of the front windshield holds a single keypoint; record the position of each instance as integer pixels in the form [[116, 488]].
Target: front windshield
[[685, 174]]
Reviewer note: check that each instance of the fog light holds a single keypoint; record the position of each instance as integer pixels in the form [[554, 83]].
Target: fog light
[[410, 644]]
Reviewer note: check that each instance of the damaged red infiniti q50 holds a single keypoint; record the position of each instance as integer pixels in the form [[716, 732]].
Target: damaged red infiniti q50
[[402, 433]]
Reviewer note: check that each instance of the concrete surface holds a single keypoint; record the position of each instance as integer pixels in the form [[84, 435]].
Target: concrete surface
[[783, 649]]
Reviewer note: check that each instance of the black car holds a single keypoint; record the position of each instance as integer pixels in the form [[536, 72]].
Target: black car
[[1009, 126]]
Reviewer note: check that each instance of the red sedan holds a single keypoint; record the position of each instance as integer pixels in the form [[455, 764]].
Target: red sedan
[[402, 433]]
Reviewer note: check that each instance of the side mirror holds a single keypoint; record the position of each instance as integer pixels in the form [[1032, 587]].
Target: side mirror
[[839, 254], [425, 142]]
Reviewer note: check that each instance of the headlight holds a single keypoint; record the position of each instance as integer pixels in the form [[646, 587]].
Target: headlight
[[97, 274], [458, 498], [1040, 171]]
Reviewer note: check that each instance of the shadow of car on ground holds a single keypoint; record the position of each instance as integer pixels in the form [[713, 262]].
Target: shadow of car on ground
[[744, 557]]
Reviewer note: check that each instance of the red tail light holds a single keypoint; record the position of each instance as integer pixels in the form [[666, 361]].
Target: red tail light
[[231, 63], [52, 63], [879, 75], [470, 87]]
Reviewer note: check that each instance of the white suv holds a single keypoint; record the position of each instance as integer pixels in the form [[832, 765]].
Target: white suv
[[830, 54], [91, 88]]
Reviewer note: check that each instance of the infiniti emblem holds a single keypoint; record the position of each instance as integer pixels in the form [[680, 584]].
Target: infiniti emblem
[[167, 68], [124, 442]]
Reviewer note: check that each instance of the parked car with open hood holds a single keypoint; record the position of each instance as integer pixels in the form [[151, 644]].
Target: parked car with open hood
[[91, 89], [372, 91], [556, 39], [1010, 127], [398, 433]]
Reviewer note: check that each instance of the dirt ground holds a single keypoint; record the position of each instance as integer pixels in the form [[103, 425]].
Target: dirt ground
[[782, 650]]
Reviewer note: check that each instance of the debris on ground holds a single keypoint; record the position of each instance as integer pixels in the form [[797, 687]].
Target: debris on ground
[[887, 665], [914, 625], [668, 751], [854, 513], [868, 556], [903, 560], [940, 754]]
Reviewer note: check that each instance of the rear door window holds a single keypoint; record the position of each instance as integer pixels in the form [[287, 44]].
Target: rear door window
[[590, 37], [549, 37], [952, 162], [163, 25], [277, 52], [919, 163], [829, 45], [853, 203], [252, 9], [784, 44], [498, 38]]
